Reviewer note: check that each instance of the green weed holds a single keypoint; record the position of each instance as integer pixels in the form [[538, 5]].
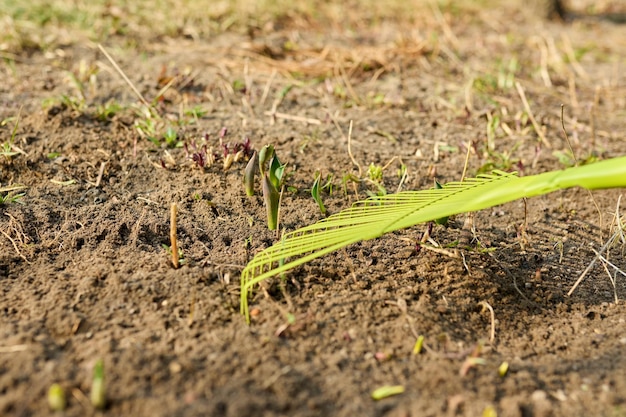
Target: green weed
[[10, 198], [8, 148], [171, 138], [567, 159], [98, 389], [106, 111]]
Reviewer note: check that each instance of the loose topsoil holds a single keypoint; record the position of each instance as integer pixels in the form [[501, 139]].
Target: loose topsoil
[[85, 272]]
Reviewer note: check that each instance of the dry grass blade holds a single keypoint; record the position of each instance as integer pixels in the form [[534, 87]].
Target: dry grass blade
[[538, 130], [617, 237], [123, 75]]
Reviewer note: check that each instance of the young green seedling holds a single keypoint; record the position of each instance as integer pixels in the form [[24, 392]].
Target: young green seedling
[[171, 138], [419, 344], [271, 196], [265, 154], [98, 392], [272, 172], [387, 391], [10, 198], [276, 172], [249, 173], [375, 173], [315, 192], [375, 176], [8, 149], [503, 369], [56, 398]]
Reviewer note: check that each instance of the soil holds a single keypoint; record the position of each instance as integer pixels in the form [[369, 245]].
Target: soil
[[84, 274]]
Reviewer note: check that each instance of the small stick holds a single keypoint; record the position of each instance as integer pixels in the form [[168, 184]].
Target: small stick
[[174, 243], [354, 161], [604, 247], [166, 87], [99, 179], [389, 163], [268, 85], [492, 334], [536, 126], [286, 116], [569, 144], [467, 155], [13, 349], [611, 278], [405, 175], [449, 253], [81, 398]]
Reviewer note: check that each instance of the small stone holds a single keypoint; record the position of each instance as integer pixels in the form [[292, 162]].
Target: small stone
[[538, 396]]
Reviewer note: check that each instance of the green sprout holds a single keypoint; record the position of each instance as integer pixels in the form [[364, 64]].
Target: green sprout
[[147, 127], [489, 411], [106, 111], [503, 369], [8, 149], [346, 179], [568, 159], [181, 255], [239, 86], [56, 398], [76, 104], [11, 198], [506, 74], [375, 176], [272, 201], [503, 161], [419, 344], [375, 173], [171, 138], [493, 123], [276, 171], [249, 173], [98, 392], [272, 172], [387, 391], [196, 112], [315, 192]]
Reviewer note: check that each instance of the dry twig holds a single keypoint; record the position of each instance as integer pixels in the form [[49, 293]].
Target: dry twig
[[173, 240]]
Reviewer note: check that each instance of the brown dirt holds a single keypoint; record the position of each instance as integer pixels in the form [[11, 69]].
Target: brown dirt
[[84, 275]]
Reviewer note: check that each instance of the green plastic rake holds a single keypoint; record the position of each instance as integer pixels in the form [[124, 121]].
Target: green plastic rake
[[373, 217]]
